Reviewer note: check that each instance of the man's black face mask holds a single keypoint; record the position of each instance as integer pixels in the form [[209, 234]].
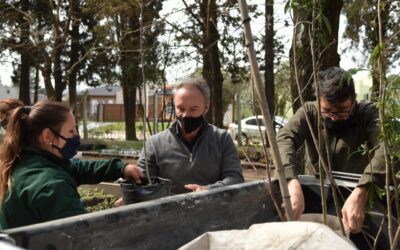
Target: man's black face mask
[[190, 124], [338, 128]]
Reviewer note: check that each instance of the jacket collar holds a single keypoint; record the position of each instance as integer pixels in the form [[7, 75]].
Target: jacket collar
[[51, 157]]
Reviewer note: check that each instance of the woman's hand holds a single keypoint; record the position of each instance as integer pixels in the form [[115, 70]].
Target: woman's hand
[[195, 187], [133, 172]]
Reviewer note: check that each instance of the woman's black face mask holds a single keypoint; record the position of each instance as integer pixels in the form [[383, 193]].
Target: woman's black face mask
[[71, 146]]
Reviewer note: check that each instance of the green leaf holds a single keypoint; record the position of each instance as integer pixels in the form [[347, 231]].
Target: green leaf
[[327, 24], [321, 39], [375, 53], [374, 192]]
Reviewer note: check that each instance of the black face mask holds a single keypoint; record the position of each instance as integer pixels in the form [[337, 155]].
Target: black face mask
[[190, 124], [71, 146], [338, 128]]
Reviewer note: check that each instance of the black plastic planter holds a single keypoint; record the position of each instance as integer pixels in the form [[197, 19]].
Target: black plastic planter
[[133, 193]]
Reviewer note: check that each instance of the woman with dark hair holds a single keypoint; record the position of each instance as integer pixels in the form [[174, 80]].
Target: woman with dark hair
[[6, 105], [38, 179]]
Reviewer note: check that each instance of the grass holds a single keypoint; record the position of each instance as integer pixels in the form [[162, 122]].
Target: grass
[[115, 126], [96, 200], [120, 126]]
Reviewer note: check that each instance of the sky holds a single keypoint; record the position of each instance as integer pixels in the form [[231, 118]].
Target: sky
[[179, 71]]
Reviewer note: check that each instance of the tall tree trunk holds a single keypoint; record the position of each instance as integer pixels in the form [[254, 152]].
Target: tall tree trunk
[[74, 55], [46, 73], [269, 56], [59, 85], [24, 85], [130, 67], [129, 96], [329, 57], [300, 54], [211, 63], [36, 94], [325, 45]]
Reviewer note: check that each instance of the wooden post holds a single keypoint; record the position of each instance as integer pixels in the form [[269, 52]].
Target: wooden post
[[264, 109]]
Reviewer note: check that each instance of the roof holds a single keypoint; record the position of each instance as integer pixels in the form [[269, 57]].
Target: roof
[[102, 91]]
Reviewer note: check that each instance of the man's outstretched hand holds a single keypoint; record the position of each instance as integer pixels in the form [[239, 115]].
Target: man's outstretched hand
[[353, 210]]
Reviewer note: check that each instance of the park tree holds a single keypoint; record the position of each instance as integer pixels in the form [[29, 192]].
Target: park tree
[[121, 32], [56, 40], [43, 28], [201, 32], [316, 26], [362, 29], [15, 37], [211, 35], [51, 21]]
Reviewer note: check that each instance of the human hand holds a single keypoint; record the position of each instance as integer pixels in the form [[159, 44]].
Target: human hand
[[195, 187], [119, 203], [353, 210], [132, 171], [296, 197]]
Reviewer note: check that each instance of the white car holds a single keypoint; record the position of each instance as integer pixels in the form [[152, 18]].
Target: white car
[[250, 130]]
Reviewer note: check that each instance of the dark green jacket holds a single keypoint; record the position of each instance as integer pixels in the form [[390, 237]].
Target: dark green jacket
[[346, 154], [44, 187]]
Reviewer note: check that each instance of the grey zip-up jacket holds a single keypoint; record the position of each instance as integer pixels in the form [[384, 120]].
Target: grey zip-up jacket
[[213, 162], [346, 153]]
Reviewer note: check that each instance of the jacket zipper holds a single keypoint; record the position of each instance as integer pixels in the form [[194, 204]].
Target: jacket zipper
[[185, 148]]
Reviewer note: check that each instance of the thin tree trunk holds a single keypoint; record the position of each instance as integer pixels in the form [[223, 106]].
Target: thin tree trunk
[[36, 95], [269, 56], [129, 96], [211, 63], [59, 85], [329, 57], [302, 61], [24, 85], [74, 55], [130, 74], [46, 73]]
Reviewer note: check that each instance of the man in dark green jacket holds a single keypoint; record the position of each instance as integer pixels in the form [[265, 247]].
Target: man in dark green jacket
[[348, 125]]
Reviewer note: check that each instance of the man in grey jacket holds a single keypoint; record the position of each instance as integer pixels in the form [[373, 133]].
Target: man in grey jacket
[[192, 153]]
